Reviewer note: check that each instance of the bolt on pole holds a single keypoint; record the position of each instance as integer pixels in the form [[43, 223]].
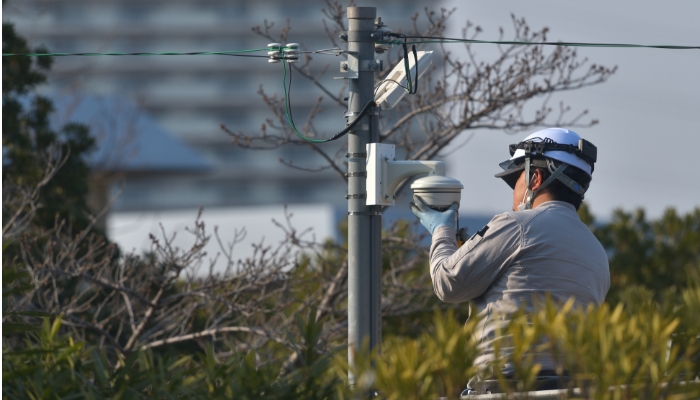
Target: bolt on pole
[[364, 222]]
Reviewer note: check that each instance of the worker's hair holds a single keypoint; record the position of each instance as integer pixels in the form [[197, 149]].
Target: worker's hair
[[561, 192]]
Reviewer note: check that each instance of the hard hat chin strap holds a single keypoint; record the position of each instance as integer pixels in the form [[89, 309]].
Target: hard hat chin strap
[[559, 174], [526, 203], [556, 173]]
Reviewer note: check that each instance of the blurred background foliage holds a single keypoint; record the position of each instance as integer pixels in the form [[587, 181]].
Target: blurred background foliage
[[649, 259], [643, 343], [31, 146], [609, 352]]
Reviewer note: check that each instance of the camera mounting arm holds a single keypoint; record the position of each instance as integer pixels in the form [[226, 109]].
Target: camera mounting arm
[[384, 174]]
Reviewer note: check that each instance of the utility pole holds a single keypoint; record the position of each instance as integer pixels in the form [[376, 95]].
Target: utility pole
[[364, 222]]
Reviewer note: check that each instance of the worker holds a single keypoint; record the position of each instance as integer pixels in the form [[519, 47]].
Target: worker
[[539, 248]]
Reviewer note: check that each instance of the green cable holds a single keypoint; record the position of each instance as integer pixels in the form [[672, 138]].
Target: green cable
[[568, 44], [407, 70], [287, 108], [196, 53], [338, 135]]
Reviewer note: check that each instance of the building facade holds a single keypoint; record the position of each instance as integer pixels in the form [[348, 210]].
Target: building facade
[[192, 96]]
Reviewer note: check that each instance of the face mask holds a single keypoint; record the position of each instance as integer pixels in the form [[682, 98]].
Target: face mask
[[522, 206]]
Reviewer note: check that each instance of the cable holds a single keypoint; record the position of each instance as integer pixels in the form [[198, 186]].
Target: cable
[[435, 39], [331, 51], [336, 51], [244, 55], [288, 96], [194, 53], [290, 119], [287, 107], [378, 84], [411, 87]]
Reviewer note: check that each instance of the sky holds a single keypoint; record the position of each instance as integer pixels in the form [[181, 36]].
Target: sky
[[648, 137]]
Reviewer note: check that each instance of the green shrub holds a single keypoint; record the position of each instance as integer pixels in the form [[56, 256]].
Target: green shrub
[[55, 367], [440, 361], [610, 353]]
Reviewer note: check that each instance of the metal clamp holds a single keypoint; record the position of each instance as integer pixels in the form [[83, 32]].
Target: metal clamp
[[356, 196], [350, 174], [353, 66], [360, 36], [356, 155], [371, 111], [358, 127], [365, 213], [379, 35]]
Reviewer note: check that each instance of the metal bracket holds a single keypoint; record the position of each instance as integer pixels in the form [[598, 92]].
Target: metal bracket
[[353, 66], [351, 174], [361, 36], [356, 196], [384, 173], [364, 36]]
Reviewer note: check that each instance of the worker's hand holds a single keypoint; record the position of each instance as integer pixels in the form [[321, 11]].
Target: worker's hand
[[430, 218]]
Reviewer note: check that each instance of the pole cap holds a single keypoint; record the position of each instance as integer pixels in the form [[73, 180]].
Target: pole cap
[[362, 12]]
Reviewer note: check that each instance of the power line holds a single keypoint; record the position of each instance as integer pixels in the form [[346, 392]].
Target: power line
[[336, 51], [237, 53], [433, 39]]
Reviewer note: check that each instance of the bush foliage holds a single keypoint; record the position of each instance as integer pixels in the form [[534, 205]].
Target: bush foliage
[[82, 320], [610, 353]]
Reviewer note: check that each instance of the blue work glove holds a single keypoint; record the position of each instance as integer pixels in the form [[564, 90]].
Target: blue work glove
[[430, 218]]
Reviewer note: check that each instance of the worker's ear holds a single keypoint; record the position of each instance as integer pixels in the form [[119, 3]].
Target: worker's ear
[[537, 179]]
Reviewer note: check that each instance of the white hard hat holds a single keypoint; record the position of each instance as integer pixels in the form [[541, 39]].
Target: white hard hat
[[557, 144], [560, 136]]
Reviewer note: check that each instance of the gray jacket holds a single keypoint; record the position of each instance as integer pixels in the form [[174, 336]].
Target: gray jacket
[[516, 258]]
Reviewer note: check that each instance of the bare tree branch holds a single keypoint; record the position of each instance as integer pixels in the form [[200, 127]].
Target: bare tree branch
[[211, 332]]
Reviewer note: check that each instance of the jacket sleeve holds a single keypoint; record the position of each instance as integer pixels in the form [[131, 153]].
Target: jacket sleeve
[[462, 274]]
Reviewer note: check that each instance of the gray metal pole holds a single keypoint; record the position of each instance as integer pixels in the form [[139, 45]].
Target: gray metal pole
[[364, 222]]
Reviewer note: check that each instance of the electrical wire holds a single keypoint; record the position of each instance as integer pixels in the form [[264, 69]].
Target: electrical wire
[[411, 87], [436, 39], [336, 51], [279, 53], [194, 53], [330, 51], [290, 119], [287, 107], [376, 87]]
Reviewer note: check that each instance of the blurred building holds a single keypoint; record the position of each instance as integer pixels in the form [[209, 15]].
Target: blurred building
[[191, 96], [130, 146]]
